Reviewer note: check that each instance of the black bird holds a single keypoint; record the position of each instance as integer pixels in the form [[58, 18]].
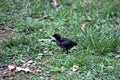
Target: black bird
[[64, 43]]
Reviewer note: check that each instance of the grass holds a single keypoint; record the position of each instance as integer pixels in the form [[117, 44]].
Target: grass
[[96, 50]]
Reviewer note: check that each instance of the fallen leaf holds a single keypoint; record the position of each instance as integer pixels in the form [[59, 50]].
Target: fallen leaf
[[74, 68], [12, 67], [117, 56], [83, 24], [27, 64], [118, 20], [38, 70], [56, 5], [89, 73], [8, 74], [110, 67], [83, 27], [24, 69], [11, 71]]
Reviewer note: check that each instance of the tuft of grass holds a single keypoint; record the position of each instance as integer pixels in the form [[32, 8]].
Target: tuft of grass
[[101, 39]]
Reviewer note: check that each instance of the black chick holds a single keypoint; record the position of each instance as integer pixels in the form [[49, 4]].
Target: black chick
[[64, 43]]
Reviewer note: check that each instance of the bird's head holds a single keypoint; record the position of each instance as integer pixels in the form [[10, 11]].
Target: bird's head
[[57, 36]]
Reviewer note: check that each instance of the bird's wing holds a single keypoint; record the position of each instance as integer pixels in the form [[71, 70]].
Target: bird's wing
[[67, 43]]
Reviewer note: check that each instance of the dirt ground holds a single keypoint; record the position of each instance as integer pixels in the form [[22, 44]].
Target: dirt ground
[[5, 33]]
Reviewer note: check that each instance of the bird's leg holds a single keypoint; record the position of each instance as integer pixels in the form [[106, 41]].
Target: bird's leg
[[65, 50]]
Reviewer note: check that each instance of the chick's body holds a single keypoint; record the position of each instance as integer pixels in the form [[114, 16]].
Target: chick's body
[[64, 43]]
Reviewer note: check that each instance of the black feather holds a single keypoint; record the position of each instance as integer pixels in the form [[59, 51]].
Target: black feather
[[64, 43]]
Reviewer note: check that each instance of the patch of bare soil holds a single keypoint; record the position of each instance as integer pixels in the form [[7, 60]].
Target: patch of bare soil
[[5, 33]]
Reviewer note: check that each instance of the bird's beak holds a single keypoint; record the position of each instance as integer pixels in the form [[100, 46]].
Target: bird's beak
[[52, 39]]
